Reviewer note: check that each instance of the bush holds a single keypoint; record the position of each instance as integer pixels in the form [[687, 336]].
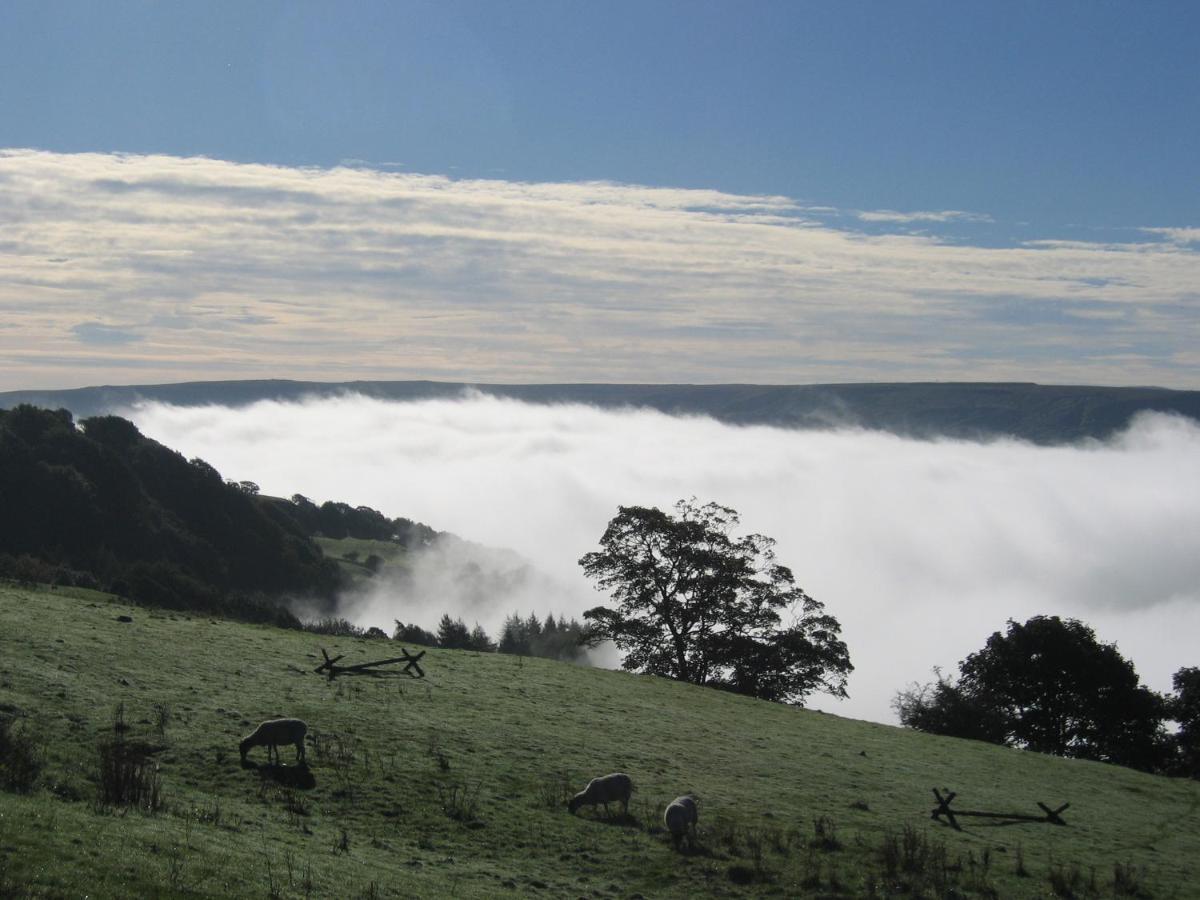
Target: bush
[[22, 756], [414, 634], [334, 627], [128, 777]]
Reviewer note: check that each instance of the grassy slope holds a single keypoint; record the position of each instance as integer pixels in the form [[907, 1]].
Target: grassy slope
[[509, 729], [392, 554]]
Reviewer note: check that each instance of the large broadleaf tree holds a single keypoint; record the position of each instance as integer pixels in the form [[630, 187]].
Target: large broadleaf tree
[[696, 603]]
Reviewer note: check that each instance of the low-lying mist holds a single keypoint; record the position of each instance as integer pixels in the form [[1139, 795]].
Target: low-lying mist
[[921, 549]]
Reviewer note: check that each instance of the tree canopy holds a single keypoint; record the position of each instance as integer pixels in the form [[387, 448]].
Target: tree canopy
[[697, 604], [1184, 708], [1047, 685], [100, 505]]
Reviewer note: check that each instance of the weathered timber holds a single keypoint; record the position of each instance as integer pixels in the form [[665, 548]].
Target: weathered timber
[[331, 669], [1050, 816]]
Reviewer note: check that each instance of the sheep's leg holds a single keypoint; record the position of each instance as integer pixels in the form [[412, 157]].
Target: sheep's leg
[[300, 750]]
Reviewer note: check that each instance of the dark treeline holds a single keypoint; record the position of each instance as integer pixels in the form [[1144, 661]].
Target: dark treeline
[[340, 520], [96, 504], [100, 505], [550, 638], [1050, 686]]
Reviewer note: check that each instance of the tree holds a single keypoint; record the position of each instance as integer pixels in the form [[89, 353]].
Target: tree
[[696, 604], [514, 638], [480, 641], [1184, 708], [943, 707], [453, 634], [413, 634], [1050, 686], [555, 639]]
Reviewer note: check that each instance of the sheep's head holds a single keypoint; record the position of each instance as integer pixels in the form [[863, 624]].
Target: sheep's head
[[244, 747], [574, 803]]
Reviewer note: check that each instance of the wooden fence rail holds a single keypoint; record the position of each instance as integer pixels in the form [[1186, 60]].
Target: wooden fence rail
[[1049, 816], [331, 669]]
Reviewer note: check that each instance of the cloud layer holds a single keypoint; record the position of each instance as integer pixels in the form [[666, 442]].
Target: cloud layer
[[921, 549], [118, 268]]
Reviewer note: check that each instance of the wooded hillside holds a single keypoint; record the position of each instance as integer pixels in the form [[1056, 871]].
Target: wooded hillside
[[102, 505]]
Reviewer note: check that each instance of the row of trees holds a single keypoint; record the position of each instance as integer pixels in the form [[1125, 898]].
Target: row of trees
[[1049, 685], [551, 638], [341, 520]]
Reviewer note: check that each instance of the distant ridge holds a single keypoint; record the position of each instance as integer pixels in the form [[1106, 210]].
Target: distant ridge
[[1043, 414]]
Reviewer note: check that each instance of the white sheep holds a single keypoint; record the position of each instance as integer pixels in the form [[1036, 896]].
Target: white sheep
[[606, 789], [680, 818], [272, 733]]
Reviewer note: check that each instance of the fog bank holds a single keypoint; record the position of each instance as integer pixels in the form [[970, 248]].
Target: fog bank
[[921, 549]]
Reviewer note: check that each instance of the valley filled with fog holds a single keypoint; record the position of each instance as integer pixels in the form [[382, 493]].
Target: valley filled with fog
[[920, 548]]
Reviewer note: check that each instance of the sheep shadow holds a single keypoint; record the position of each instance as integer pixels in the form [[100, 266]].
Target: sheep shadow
[[298, 777], [619, 819], [691, 848]]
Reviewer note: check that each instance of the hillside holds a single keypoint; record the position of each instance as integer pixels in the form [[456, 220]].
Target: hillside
[[101, 505], [1044, 414], [453, 786]]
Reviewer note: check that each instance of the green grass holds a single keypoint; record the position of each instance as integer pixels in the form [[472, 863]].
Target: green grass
[[392, 554], [454, 786]]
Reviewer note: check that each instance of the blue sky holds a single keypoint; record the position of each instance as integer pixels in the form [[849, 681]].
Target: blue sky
[[975, 125]]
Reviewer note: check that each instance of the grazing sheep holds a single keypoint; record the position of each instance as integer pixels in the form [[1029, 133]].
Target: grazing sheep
[[680, 818], [605, 789], [272, 733]]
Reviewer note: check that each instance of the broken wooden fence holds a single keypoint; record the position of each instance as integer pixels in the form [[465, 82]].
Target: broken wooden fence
[[1049, 816], [331, 669]]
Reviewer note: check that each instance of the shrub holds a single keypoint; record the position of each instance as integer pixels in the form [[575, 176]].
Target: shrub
[[459, 801], [22, 756], [1127, 881], [825, 835], [127, 776], [554, 790], [334, 627]]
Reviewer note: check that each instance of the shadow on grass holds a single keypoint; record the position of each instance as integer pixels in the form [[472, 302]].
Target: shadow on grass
[[692, 848], [299, 776], [621, 820]]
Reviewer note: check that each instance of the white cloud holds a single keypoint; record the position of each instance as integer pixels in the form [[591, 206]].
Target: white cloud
[[1177, 235], [945, 215], [921, 549], [228, 270]]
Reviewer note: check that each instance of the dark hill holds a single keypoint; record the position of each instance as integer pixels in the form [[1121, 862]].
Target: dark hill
[[1043, 414], [103, 506]]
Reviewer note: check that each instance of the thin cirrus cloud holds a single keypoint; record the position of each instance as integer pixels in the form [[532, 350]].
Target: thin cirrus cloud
[[227, 270], [1177, 235], [921, 549], [945, 215]]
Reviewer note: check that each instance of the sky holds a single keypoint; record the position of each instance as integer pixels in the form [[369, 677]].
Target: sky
[[920, 549], [789, 192], [653, 192]]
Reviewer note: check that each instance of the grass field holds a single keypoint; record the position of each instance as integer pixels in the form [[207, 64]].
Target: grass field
[[455, 785], [351, 555]]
